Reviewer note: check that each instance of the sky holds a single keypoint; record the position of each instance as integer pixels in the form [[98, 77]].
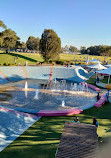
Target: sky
[[76, 22]]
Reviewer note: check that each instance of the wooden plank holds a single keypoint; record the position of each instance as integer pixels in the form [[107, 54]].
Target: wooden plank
[[78, 141]]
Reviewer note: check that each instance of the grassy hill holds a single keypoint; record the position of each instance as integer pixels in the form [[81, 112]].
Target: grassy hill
[[34, 59]]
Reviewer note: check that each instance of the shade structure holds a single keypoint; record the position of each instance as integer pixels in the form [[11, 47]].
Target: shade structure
[[97, 66], [95, 61], [106, 71], [109, 65]]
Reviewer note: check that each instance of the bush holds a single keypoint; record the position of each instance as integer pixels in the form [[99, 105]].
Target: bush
[[50, 61], [4, 64], [71, 63], [59, 62]]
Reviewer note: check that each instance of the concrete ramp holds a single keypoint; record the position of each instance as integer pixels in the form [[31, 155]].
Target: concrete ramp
[[13, 124], [78, 141]]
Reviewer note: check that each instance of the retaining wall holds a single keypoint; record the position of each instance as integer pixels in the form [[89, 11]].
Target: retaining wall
[[16, 73]]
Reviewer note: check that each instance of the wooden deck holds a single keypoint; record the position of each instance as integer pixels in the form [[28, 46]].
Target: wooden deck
[[78, 141]]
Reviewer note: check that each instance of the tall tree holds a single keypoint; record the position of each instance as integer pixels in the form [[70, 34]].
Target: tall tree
[[18, 45], [73, 49], [2, 25], [33, 43], [50, 45], [83, 50], [23, 46], [9, 39]]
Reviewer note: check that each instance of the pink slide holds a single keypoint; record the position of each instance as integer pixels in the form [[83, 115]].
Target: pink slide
[[101, 101], [93, 87], [65, 112]]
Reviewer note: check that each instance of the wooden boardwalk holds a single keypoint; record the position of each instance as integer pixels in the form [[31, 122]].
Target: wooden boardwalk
[[78, 141]]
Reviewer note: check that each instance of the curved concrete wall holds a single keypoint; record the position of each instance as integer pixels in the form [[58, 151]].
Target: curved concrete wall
[[15, 73]]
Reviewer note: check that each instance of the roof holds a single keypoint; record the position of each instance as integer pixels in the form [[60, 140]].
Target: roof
[[109, 65], [107, 71], [95, 61], [97, 66]]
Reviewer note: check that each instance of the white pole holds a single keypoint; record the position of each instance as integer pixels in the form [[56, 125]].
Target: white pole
[[108, 79]]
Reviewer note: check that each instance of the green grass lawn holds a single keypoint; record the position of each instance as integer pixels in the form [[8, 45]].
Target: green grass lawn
[[33, 58], [21, 58]]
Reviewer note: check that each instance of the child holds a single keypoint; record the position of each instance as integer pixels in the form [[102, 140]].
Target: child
[[95, 122], [98, 97], [76, 120], [107, 96]]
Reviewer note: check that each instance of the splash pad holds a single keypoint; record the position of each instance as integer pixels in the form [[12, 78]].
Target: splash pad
[[48, 98]]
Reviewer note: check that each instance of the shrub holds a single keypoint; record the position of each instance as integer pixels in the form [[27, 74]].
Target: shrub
[[50, 61], [4, 64], [59, 62], [71, 63]]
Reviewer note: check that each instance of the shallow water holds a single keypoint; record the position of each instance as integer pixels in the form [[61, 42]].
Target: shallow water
[[48, 98]]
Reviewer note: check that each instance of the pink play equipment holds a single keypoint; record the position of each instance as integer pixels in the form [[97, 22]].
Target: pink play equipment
[[101, 101], [65, 112], [93, 87]]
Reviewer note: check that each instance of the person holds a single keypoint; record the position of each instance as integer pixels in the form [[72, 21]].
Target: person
[[107, 96], [76, 120], [98, 97], [26, 63], [97, 79], [15, 61], [67, 64], [95, 122]]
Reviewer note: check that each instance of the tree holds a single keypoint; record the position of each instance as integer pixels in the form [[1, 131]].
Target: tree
[[50, 45], [1, 36], [99, 50], [73, 49], [33, 43], [18, 45], [23, 46], [94, 50], [83, 50], [9, 39], [105, 51], [3, 25]]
